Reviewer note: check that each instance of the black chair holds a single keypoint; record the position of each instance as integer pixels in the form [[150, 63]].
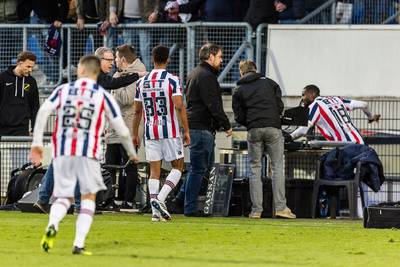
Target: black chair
[[351, 186]]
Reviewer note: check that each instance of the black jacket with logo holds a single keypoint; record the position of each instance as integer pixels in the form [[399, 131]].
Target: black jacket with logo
[[19, 103], [204, 101], [257, 102]]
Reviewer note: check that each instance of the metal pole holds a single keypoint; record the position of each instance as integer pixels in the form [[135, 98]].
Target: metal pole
[[24, 38], [181, 64], [233, 60], [333, 13], [259, 36], [317, 12], [69, 63]]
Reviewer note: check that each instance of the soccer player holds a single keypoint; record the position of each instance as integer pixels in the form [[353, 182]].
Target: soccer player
[[82, 108], [330, 116], [159, 95]]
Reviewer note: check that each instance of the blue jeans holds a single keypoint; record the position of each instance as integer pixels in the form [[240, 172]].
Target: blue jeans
[[201, 160], [46, 189]]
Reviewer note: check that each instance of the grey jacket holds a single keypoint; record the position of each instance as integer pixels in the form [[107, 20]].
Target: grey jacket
[[125, 98], [146, 7]]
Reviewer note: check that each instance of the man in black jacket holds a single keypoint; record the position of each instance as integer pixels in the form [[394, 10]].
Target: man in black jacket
[[106, 56], [19, 97], [205, 115], [257, 105]]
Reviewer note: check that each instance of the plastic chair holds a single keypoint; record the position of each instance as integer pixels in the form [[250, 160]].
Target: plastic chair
[[351, 186]]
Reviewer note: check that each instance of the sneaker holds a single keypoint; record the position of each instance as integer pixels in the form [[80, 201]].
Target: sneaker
[[156, 217], [80, 251], [286, 213], [255, 215], [47, 241], [41, 207], [375, 117], [161, 208]]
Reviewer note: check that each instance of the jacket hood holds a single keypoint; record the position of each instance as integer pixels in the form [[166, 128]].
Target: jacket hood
[[19, 86], [249, 77]]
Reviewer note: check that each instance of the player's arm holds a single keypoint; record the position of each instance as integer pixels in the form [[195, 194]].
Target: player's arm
[[351, 104], [114, 116], [137, 115], [181, 112], [36, 154], [313, 118]]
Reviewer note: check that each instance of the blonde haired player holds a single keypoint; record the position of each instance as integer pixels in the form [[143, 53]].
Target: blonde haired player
[[82, 108]]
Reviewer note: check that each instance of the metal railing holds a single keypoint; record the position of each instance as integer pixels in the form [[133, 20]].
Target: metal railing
[[354, 12], [184, 41]]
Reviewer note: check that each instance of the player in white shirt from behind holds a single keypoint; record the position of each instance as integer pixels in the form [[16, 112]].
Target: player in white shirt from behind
[[159, 95], [82, 108]]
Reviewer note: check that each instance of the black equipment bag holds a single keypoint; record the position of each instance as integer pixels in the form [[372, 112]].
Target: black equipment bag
[[105, 197], [23, 179], [383, 215]]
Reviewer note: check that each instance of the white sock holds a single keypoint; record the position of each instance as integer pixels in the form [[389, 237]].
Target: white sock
[[84, 221], [170, 183], [58, 211], [154, 187]]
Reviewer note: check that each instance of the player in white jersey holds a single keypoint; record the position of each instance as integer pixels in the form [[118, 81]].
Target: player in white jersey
[[159, 95], [330, 116], [82, 108]]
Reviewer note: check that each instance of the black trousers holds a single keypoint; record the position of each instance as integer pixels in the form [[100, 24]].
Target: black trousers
[[128, 178]]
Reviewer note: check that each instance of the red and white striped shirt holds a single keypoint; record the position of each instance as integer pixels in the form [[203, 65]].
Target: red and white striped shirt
[[155, 91], [82, 108], [330, 116]]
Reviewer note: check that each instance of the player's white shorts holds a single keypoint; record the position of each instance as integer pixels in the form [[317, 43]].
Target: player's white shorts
[[70, 169], [168, 149]]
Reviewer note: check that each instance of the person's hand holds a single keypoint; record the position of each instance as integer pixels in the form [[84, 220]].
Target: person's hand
[[375, 117], [134, 159], [113, 19], [36, 155], [80, 24], [279, 6], [153, 17], [57, 24], [186, 139], [104, 27], [228, 132], [136, 141]]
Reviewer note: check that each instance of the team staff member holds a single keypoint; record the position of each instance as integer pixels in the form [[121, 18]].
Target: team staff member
[[19, 97], [330, 116], [205, 115], [257, 105]]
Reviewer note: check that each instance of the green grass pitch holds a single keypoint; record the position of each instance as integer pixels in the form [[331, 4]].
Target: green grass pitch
[[132, 240]]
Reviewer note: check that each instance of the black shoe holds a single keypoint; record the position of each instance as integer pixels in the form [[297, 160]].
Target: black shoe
[[199, 213], [42, 207], [80, 251]]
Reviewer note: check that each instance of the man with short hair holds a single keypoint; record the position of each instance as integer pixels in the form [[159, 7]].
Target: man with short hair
[[82, 108], [257, 105], [106, 57], [127, 63], [19, 97], [330, 116], [206, 116], [159, 96]]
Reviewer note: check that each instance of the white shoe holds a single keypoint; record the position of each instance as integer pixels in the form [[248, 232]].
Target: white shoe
[[161, 208]]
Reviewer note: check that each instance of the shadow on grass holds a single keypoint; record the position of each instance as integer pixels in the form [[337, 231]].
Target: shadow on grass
[[204, 260]]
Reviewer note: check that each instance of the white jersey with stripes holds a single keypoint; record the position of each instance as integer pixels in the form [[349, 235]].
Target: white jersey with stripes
[[82, 108], [330, 116], [155, 91]]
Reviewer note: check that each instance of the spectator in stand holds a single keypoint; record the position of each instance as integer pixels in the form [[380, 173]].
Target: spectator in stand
[[11, 11], [46, 12], [265, 11], [92, 11], [135, 12], [296, 12]]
